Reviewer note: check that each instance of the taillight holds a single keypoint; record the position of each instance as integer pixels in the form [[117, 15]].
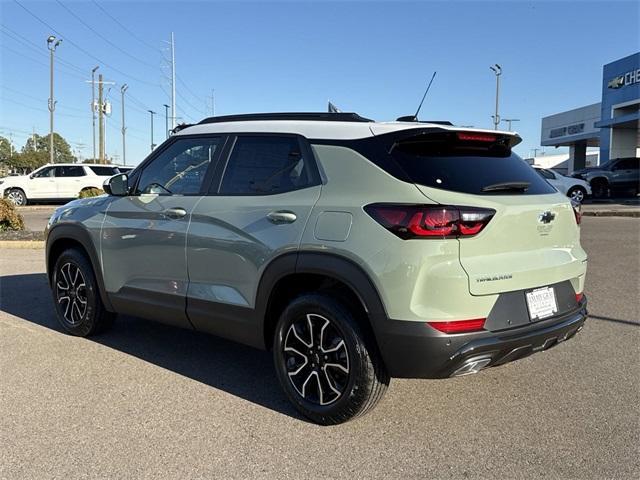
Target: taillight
[[430, 221], [577, 211], [579, 297], [459, 326]]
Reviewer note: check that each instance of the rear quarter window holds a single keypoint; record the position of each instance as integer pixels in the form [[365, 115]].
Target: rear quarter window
[[104, 171]]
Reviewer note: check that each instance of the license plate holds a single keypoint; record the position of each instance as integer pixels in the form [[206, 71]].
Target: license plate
[[542, 303]]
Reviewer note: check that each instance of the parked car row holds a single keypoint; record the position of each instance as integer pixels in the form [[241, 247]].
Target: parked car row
[[613, 176], [62, 181]]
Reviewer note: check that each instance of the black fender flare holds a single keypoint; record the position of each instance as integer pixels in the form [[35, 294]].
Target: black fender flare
[[78, 234], [329, 265]]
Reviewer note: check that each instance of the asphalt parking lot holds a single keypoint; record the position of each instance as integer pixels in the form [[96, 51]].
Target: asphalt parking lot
[[149, 401]]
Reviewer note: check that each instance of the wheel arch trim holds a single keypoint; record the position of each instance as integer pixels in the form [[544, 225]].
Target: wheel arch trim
[[78, 234]]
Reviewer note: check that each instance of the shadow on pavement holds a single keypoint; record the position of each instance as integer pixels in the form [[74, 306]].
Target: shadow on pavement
[[239, 370], [615, 320]]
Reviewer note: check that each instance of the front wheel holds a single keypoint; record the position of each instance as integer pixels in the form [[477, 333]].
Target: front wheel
[[600, 188], [327, 363], [76, 296], [577, 194], [17, 197]]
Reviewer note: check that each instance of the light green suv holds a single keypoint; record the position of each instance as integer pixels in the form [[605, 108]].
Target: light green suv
[[355, 250]]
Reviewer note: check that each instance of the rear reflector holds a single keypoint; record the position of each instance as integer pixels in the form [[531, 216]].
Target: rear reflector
[[430, 221], [476, 137], [459, 326], [579, 297], [577, 211]]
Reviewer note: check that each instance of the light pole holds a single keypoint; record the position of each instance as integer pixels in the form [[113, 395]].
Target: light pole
[[166, 120], [124, 129], [152, 114], [93, 108], [509, 120], [52, 44], [498, 71]]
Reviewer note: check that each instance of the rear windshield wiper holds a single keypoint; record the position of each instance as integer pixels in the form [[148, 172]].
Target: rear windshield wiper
[[507, 187]]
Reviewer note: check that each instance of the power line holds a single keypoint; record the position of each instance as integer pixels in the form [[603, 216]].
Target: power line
[[89, 54], [77, 17], [155, 49], [4, 87], [4, 99], [22, 55]]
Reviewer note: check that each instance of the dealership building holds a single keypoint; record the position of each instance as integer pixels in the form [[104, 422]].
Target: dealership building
[[613, 124]]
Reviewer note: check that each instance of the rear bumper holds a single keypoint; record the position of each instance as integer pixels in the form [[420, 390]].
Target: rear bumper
[[416, 350]]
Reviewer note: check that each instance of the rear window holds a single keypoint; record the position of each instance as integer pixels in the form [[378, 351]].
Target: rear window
[[477, 170], [104, 171]]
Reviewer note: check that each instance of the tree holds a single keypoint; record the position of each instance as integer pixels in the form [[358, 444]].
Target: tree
[[40, 143], [6, 150]]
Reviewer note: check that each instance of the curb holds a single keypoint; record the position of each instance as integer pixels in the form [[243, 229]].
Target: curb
[[610, 213], [22, 244]]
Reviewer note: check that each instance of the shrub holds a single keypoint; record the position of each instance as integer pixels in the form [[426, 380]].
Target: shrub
[[10, 219], [90, 192]]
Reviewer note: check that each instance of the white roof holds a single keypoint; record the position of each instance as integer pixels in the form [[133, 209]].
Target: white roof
[[318, 129]]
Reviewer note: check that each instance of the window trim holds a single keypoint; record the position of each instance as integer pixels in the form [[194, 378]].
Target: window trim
[[211, 168], [305, 149]]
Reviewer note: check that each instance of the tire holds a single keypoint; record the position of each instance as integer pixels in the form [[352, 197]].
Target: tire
[[17, 197], [77, 300], [600, 188], [326, 362], [577, 193]]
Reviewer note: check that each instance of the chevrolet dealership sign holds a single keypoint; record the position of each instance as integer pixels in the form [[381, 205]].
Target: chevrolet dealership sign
[[628, 78]]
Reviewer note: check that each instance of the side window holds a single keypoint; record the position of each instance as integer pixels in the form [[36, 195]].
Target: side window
[[45, 172], [70, 171], [180, 169], [545, 173], [265, 165], [628, 164], [104, 171]]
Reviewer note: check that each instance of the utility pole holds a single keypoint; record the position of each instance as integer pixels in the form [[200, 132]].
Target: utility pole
[[52, 44], [173, 82], [498, 71], [152, 114], [93, 107], [124, 128], [509, 120], [100, 121]]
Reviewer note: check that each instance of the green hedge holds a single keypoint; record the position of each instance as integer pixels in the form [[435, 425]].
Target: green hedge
[[10, 219]]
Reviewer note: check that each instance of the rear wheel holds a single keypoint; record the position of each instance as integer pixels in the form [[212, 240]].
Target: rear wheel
[[577, 194], [327, 363], [75, 294], [600, 188], [17, 197]]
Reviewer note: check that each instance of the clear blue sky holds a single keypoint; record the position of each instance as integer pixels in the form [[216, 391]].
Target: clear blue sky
[[370, 57]]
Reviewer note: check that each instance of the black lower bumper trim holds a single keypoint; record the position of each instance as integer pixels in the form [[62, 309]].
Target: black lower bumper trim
[[416, 350]]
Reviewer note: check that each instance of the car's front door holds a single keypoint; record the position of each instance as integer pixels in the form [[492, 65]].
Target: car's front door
[[42, 184], [255, 212], [144, 234]]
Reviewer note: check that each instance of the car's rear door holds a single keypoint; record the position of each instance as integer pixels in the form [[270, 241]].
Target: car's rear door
[[69, 180], [256, 210], [144, 235]]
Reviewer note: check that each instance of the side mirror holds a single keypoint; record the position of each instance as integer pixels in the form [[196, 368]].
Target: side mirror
[[118, 185]]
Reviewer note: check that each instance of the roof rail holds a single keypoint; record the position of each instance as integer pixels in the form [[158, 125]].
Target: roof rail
[[307, 116]]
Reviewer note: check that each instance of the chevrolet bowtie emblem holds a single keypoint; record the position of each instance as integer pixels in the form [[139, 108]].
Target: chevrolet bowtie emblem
[[546, 217], [616, 82]]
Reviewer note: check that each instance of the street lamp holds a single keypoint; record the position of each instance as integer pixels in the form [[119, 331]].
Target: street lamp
[[166, 120], [497, 69], [509, 120], [153, 145], [52, 44]]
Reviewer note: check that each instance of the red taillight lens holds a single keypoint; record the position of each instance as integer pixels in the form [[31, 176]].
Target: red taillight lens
[[577, 211], [579, 297], [476, 137], [430, 221], [459, 326]]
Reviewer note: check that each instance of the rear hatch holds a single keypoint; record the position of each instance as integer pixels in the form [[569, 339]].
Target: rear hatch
[[531, 241]]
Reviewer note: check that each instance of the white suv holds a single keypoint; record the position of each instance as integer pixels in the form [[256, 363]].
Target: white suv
[[61, 181]]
